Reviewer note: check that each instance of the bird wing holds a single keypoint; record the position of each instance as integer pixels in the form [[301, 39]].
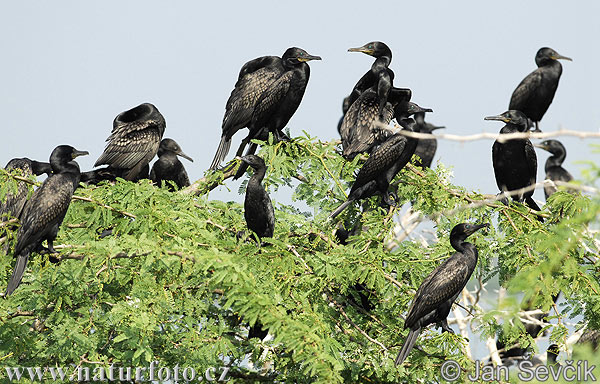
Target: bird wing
[[14, 203], [381, 159], [46, 208], [531, 158], [130, 147], [446, 281], [271, 98], [244, 97], [525, 93]]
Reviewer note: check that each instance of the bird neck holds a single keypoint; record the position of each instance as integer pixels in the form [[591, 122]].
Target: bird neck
[[70, 167], [258, 176], [458, 242], [555, 160], [381, 63]]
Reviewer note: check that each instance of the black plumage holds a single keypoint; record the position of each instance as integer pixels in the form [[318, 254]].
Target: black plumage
[[515, 161], [380, 77], [536, 91], [361, 128], [345, 107], [168, 167], [258, 209], [439, 290], [385, 162], [426, 148], [14, 203], [267, 93], [553, 166], [133, 142], [45, 211]]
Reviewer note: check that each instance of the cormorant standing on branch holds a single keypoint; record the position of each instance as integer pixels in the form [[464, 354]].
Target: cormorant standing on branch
[[258, 209], [536, 91], [45, 211], [133, 142], [426, 148], [14, 203], [267, 93], [553, 166], [439, 290], [515, 162], [168, 167], [384, 163], [379, 77], [361, 128]]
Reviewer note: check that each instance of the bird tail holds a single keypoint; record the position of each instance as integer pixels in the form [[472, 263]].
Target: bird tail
[[339, 209], [17, 274], [222, 151], [243, 166], [532, 204], [409, 343]]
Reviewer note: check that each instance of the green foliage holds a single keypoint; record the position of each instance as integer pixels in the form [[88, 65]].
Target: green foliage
[[174, 282]]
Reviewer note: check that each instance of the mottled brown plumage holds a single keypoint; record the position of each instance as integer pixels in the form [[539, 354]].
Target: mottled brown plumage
[[14, 203]]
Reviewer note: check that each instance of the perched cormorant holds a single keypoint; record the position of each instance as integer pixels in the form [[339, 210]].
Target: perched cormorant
[[426, 148], [266, 95], [536, 91], [168, 167], [361, 127], [133, 142], [379, 77], [515, 162], [45, 211], [258, 210], [384, 163], [553, 167], [439, 290], [14, 203]]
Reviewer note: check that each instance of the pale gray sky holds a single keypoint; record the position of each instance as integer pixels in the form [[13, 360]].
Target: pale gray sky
[[69, 67]]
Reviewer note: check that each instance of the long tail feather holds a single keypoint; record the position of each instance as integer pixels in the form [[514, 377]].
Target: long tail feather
[[339, 209], [17, 274], [411, 339], [531, 203], [222, 152]]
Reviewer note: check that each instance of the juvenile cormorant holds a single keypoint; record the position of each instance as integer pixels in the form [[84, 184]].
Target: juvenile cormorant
[[45, 211], [361, 127], [439, 290], [133, 142], [553, 167], [379, 77], [515, 162], [536, 91], [168, 167], [266, 95], [14, 203], [258, 209], [426, 148], [384, 163]]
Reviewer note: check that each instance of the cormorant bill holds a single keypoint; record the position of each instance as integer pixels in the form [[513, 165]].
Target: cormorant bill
[[439, 290], [14, 203], [266, 95], [258, 209], [361, 127], [426, 148], [536, 91], [45, 211], [515, 162], [168, 167], [379, 76], [384, 163], [553, 166], [133, 142], [345, 107]]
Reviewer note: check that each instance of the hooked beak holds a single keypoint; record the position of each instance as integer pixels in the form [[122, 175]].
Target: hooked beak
[[544, 147], [477, 227], [436, 128], [77, 153], [426, 110], [561, 57], [242, 159], [309, 58], [180, 153], [362, 49], [498, 118]]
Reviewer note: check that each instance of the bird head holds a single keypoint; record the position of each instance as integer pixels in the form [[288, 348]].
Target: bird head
[[295, 56], [64, 154], [465, 230], [374, 48], [513, 117], [170, 145], [254, 161], [555, 147], [546, 55]]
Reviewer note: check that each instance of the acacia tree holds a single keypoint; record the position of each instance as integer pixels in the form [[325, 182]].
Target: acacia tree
[[175, 282]]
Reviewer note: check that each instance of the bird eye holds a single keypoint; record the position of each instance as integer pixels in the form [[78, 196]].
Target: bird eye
[[370, 47], [301, 53]]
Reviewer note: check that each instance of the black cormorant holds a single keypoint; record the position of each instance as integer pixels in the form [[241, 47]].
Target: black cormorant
[[14, 203], [439, 290], [45, 211], [168, 167], [536, 91], [426, 148], [384, 163], [361, 127], [258, 209], [133, 142], [515, 162], [345, 107], [379, 77], [553, 167], [266, 95]]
